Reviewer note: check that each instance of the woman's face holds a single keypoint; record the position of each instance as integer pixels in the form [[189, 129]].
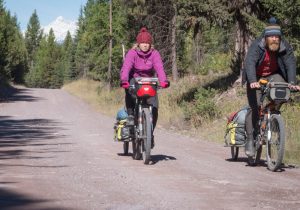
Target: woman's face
[[145, 47]]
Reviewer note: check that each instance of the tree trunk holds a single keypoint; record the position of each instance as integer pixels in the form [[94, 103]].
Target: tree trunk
[[173, 44], [110, 46]]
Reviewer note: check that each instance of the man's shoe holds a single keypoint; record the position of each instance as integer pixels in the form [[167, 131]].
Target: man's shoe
[[249, 148]]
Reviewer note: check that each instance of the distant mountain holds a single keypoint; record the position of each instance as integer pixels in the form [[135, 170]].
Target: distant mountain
[[61, 27]]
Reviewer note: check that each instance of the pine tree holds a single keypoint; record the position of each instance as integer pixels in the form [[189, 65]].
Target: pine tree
[[17, 54], [47, 71], [33, 36], [13, 55], [68, 58], [91, 55]]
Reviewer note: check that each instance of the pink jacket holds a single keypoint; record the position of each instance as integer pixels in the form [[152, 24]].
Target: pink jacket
[[140, 64]]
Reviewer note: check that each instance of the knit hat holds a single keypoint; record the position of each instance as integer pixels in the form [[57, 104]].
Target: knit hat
[[272, 28], [144, 36]]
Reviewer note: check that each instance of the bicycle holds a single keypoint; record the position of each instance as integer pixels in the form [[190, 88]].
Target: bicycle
[[141, 132], [270, 129]]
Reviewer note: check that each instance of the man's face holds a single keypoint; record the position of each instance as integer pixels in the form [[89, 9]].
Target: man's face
[[273, 43]]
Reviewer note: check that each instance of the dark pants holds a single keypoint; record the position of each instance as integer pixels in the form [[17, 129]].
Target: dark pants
[[254, 96], [130, 104]]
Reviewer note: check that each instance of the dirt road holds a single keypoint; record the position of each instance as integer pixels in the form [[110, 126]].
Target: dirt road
[[57, 153]]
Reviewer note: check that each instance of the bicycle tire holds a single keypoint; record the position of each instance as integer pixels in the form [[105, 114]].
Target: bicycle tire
[[275, 142], [147, 135]]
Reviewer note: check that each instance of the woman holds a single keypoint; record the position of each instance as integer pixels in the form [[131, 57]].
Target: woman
[[142, 61]]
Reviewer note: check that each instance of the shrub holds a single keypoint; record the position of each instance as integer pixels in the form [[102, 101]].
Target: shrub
[[203, 108]]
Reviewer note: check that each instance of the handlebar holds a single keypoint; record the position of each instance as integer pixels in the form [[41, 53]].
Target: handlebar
[[265, 84], [147, 80]]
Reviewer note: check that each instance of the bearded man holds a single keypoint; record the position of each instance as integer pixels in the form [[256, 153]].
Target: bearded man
[[271, 57]]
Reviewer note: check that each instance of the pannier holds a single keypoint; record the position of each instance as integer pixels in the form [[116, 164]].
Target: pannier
[[279, 91], [235, 128], [122, 132]]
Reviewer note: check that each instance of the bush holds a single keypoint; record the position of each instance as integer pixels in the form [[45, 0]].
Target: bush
[[203, 108]]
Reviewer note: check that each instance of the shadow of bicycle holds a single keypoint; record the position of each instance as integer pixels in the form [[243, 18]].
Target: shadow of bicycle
[[157, 158]]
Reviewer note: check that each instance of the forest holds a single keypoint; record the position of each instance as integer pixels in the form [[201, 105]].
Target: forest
[[194, 38]]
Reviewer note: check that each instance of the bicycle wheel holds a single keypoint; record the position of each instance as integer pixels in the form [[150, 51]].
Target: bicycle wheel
[[234, 152], [275, 142], [125, 147], [147, 134]]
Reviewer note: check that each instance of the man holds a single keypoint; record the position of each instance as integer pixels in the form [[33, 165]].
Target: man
[[270, 56]]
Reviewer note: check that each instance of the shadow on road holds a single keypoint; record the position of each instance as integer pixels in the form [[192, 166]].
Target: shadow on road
[[16, 135], [12, 94], [157, 158], [10, 200], [261, 163], [154, 158]]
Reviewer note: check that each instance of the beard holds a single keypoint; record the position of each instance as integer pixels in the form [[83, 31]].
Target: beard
[[273, 46]]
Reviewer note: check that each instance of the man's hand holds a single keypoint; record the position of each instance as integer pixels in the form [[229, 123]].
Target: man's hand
[[294, 87], [254, 85]]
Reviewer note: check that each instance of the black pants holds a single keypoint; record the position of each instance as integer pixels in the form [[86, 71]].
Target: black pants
[[254, 96], [130, 104]]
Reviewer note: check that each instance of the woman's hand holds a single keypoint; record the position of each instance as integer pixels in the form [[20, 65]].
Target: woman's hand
[[165, 84], [125, 84]]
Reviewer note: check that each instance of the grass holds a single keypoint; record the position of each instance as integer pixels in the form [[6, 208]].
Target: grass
[[97, 95], [171, 109]]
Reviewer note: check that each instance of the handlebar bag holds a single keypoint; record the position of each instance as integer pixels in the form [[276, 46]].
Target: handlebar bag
[[279, 91]]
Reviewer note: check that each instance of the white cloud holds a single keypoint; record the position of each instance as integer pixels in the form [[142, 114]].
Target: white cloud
[[61, 27]]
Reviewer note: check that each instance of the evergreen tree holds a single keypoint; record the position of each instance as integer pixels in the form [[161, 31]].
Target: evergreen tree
[[17, 54], [91, 55], [13, 55], [68, 58], [33, 36], [47, 71]]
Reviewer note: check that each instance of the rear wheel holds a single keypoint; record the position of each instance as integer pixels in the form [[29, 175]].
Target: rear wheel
[[275, 142], [147, 135]]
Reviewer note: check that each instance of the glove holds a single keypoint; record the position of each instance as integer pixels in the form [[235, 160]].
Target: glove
[[125, 84], [165, 84]]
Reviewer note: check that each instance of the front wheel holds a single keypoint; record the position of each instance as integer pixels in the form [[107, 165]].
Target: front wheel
[[147, 134], [275, 142]]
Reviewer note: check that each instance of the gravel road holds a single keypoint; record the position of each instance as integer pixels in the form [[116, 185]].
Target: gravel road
[[56, 152]]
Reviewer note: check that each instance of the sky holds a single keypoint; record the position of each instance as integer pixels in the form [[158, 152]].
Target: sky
[[47, 10]]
